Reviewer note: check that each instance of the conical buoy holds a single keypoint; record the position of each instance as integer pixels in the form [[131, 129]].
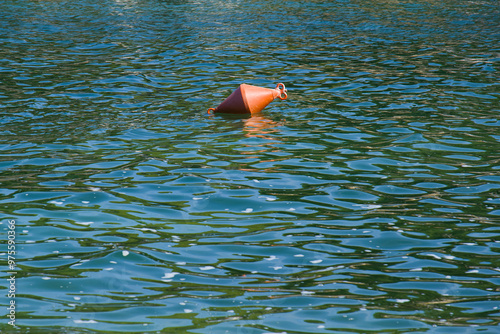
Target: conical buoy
[[250, 99]]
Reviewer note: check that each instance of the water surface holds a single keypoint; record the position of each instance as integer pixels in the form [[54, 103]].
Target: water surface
[[368, 202]]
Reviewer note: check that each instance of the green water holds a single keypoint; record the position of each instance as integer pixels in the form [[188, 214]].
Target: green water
[[367, 202]]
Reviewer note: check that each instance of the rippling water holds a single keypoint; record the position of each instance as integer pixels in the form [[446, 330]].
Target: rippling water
[[367, 202]]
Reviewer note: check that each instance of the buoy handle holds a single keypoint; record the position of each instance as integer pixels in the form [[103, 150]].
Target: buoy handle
[[211, 111], [282, 89]]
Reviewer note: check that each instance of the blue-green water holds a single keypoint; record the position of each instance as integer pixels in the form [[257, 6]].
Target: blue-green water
[[368, 202]]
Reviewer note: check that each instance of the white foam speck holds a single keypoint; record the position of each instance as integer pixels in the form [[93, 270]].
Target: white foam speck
[[125, 253], [207, 268], [316, 261], [146, 229], [434, 256], [170, 275], [85, 321], [247, 210], [307, 293], [85, 223]]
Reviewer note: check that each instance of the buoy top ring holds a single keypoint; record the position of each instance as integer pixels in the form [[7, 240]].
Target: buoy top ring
[[282, 89]]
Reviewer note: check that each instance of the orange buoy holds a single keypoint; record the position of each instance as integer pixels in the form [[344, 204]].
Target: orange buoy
[[250, 99]]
